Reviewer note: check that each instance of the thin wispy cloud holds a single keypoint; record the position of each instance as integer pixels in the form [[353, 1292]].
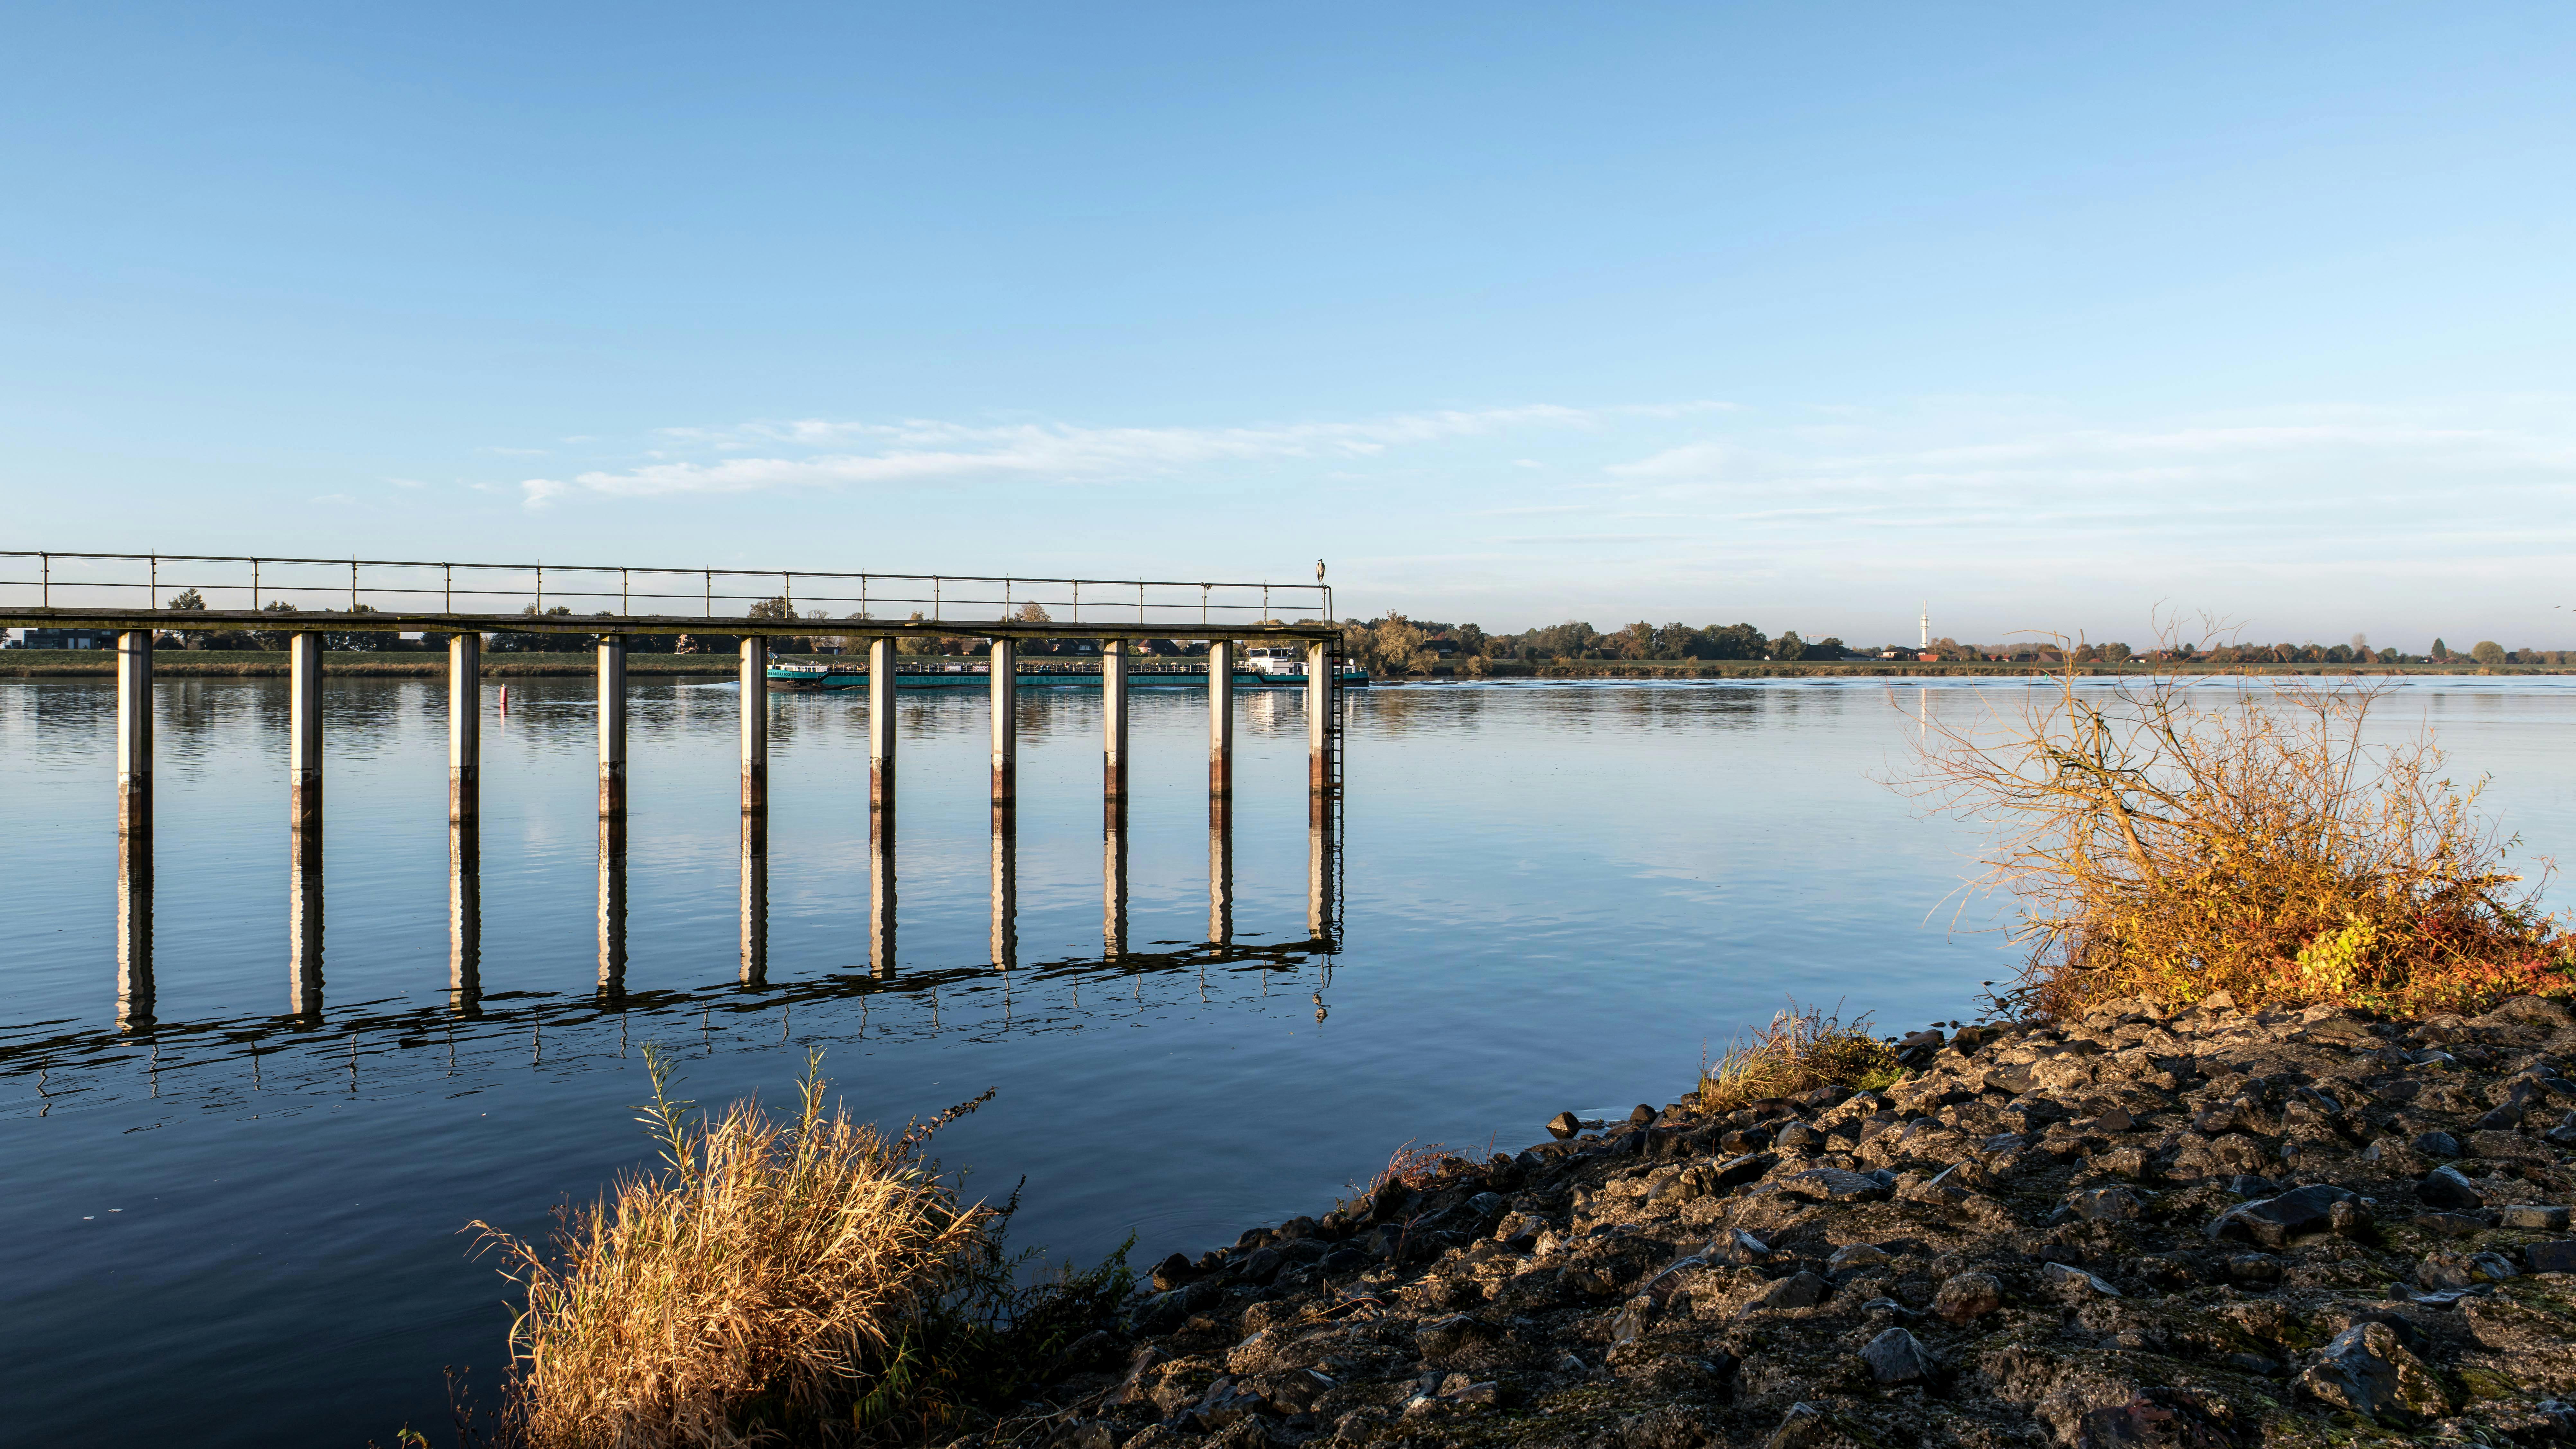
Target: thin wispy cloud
[[864, 454]]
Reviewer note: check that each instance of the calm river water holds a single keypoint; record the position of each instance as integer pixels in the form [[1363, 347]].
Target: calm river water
[[242, 1225]]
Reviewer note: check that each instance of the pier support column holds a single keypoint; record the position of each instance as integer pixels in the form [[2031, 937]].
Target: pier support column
[[465, 918], [755, 899], [881, 700], [1319, 724], [1006, 889], [464, 728], [1113, 726], [612, 728], [134, 735], [134, 831], [304, 736], [755, 727], [1220, 722], [1006, 724]]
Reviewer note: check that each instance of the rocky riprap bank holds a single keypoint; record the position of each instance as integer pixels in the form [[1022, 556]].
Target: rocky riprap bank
[[2192, 1230]]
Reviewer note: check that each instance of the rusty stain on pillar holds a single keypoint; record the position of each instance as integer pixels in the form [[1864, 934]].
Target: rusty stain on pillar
[[755, 726], [1006, 725], [1220, 681], [612, 728], [464, 728]]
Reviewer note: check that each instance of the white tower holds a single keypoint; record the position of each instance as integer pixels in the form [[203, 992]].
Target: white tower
[[1927, 624]]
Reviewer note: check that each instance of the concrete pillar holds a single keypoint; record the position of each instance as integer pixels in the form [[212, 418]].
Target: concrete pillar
[[304, 734], [465, 918], [1113, 726], [1006, 724], [612, 908], [134, 830], [304, 923], [612, 728], [755, 727], [1006, 889], [755, 899], [1221, 873], [464, 728], [1220, 720], [134, 735], [1319, 722], [881, 701]]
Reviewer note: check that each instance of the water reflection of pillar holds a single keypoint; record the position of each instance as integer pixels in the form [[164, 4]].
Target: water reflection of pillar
[[465, 918], [304, 922], [755, 899], [755, 727], [134, 932], [1113, 881], [1006, 889], [612, 908], [1319, 723], [1319, 879], [1221, 872], [881, 894]]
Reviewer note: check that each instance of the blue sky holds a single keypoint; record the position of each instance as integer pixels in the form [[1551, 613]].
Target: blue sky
[[1798, 314]]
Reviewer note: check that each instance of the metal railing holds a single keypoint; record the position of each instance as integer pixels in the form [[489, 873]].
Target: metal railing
[[149, 582]]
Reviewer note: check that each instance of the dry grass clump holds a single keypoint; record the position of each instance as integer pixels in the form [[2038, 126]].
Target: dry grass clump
[[1799, 1051], [2167, 841], [775, 1276], [1415, 1167]]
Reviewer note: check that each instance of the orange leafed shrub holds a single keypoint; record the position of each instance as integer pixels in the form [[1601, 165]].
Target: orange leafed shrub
[[2173, 838]]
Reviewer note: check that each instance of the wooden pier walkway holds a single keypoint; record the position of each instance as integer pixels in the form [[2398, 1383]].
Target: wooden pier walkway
[[141, 597]]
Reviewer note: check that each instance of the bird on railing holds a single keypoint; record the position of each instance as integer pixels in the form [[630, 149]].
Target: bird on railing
[[1319, 571]]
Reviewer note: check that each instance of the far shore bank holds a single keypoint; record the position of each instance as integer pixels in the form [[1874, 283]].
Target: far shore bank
[[432, 664]]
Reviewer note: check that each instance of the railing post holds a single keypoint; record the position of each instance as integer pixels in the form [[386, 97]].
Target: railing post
[[755, 725], [464, 728], [1220, 667], [612, 727], [1113, 725], [881, 730]]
